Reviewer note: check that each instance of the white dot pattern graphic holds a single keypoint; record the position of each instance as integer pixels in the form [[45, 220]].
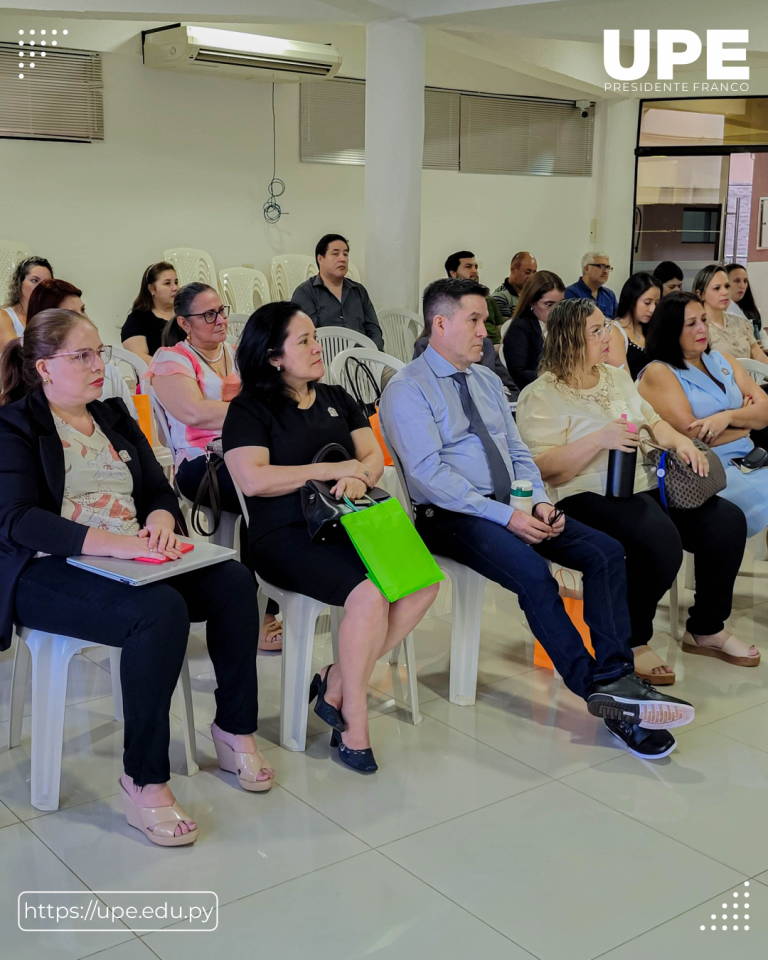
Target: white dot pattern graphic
[[735, 916]]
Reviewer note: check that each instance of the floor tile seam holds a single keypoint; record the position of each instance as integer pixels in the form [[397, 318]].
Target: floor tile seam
[[461, 906], [135, 936], [656, 926], [667, 836]]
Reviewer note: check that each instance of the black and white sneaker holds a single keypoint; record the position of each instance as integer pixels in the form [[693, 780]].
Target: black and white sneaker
[[645, 744], [632, 700]]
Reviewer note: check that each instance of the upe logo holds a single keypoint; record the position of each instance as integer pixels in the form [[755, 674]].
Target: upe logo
[[673, 48]]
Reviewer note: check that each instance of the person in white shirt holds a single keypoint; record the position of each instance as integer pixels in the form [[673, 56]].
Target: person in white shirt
[[26, 276]]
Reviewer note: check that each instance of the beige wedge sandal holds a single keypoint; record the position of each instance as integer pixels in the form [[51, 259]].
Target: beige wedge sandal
[[647, 661], [245, 766], [728, 651], [158, 824]]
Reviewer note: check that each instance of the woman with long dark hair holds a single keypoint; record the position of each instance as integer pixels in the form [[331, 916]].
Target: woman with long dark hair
[[142, 331], [524, 339], [742, 299], [79, 477], [638, 300], [273, 430], [13, 315]]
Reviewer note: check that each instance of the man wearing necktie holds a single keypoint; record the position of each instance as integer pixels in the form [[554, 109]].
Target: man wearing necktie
[[447, 419]]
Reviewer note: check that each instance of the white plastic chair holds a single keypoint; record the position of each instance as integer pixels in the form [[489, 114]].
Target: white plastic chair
[[502, 333], [401, 330], [374, 360], [192, 265], [49, 655], [352, 272], [300, 615], [757, 370], [335, 339], [12, 252], [236, 325], [138, 367], [288, 271], [138, 370], [244, 289], [227, 533], [468, 590]]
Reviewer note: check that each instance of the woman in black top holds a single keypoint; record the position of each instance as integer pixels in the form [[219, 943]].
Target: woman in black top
[[77, 476], [273, 429], [637, 302], [524, 339], [142, 332]]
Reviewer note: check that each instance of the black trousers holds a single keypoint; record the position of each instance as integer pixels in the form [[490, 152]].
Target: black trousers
[[188, 477], [653, 542], [151, 624]]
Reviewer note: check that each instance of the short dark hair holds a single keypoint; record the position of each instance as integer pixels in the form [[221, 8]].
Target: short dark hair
[[453, 262], [443, 297], [324, 242], [262, 339], [633, 289], [662, 336], [667, 270]]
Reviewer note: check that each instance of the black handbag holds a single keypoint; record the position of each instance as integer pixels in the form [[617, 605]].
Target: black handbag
[[208, 493], [361, 383], [322, 511]]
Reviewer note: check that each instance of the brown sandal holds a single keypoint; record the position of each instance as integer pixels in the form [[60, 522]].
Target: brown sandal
[[271, 636], [645, 662], [720, 653]]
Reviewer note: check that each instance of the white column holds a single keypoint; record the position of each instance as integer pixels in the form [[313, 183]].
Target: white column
[[394, 144]]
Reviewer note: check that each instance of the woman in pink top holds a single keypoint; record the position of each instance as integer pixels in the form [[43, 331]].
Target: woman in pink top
[[194, 377]]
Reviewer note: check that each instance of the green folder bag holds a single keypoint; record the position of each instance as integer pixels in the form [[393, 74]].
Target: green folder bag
[[394, 554]]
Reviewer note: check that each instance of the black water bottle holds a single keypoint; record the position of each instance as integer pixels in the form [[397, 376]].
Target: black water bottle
[[620, 480]]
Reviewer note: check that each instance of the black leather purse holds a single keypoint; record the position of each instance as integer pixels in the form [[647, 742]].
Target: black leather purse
[[322, 511]]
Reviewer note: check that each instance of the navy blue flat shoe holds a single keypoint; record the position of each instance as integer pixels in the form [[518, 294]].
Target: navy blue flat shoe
[[361, 760], [327, 713]]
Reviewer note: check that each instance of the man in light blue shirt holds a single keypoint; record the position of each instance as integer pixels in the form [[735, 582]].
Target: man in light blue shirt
[[446, 418], [595, 271]]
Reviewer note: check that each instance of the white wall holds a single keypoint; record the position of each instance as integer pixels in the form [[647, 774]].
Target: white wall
[[187, 160]]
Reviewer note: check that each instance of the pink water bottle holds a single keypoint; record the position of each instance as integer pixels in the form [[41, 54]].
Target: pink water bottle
[[620, 480]]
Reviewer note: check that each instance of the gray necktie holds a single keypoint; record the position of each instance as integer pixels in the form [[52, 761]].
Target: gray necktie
[[499, 472]]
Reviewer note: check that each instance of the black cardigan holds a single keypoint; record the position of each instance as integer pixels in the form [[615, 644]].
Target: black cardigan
[[32, 487], [523, 344]]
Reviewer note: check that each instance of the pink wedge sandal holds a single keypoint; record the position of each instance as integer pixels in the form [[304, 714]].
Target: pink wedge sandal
[[158, 824], [245, 766]]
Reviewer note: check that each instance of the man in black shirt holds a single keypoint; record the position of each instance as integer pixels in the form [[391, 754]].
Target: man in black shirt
[[331, 299]]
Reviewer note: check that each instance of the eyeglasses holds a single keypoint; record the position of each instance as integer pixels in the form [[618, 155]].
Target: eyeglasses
[[84, 358], [601, 266], [602, 332], [210, 315], [556, 515]]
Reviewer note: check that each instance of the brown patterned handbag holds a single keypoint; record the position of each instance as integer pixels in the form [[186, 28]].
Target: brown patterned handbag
[[679, 486]]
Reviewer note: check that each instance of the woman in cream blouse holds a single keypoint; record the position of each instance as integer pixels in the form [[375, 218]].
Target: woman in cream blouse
[[571, 417], [728, 333]]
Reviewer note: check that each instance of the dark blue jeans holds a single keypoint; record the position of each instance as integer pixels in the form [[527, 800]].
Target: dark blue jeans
[[499, 555]]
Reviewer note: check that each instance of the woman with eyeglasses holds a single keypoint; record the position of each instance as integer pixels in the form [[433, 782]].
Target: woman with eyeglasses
[[13, 315], [77, 476], [571, 418], [524, 339], [194, 377]]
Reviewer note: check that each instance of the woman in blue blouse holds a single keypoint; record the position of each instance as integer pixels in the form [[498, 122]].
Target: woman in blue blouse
[[710, 396]]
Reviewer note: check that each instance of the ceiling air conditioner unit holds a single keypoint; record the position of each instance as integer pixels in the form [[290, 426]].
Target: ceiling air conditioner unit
[[247, 56]]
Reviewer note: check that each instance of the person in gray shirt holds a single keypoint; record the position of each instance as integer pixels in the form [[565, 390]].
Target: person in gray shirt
[[331, 299]]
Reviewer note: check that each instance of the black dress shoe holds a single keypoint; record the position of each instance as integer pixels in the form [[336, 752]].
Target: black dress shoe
[[633, 700], [645, 744], [360, 760], [328, 713]]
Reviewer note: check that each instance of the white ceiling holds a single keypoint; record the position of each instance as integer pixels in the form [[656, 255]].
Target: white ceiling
[[546, 47]]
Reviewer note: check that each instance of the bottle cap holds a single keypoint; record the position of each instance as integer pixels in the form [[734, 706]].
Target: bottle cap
[[522, 488], [630, 426]]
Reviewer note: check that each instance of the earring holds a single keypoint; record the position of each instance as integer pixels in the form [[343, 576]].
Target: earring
[[279, 368], [46, 380]]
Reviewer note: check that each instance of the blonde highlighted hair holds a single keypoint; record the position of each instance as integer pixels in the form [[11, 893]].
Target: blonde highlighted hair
[[565, 345]]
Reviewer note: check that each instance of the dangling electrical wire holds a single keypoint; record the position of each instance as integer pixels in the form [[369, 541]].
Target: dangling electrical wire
[[272, 209]]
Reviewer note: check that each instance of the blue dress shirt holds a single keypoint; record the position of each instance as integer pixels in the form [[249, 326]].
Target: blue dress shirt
[[606, 299], [445, 464]]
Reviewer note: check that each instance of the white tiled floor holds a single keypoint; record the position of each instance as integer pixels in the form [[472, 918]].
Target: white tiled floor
[[513, 829]]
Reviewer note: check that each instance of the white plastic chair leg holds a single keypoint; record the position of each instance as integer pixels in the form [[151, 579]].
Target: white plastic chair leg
[[299, 616], [184, 691], [117, 688], [413, 686], [690, 583], [394, 655], [674, 611], [21, 664], [337, 615], [262, 600], [50, 665], [468, 589], [227, 533]]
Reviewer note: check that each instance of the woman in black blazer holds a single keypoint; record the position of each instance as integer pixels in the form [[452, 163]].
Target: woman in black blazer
[[77, 476], [524, 339]]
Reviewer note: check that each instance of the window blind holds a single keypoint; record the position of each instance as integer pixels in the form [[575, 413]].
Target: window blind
[[60, 98], [442, 112], [333, 122], [537, 138]]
